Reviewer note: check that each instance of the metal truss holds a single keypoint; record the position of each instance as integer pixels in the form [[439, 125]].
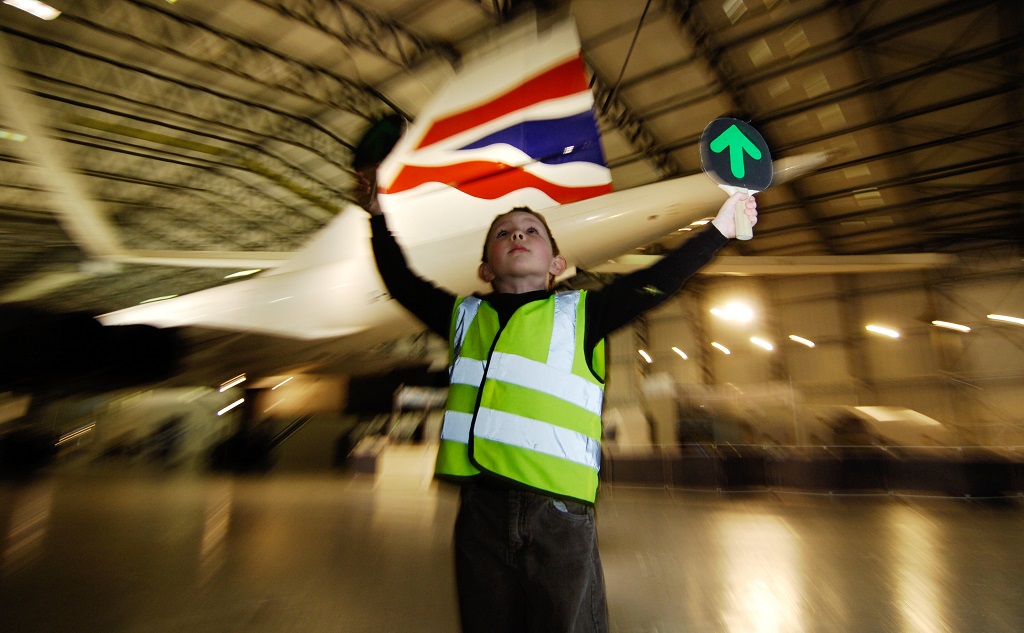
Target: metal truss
[[150, 94], [354, 26], [159, 29], [613, 112]]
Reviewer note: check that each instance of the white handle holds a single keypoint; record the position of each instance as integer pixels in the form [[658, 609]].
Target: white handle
[[744, 230]]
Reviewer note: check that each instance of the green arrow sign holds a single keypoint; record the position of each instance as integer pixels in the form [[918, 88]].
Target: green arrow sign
[[738, 144], [734, 154]]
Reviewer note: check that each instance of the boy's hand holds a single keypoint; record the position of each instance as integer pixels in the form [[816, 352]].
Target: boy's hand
[[725, 221], [366, 190]]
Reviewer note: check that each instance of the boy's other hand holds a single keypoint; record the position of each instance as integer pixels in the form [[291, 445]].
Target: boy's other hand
[[725, 221], [366, 189]]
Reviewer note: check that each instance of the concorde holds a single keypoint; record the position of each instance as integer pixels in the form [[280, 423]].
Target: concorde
[[514, 128]]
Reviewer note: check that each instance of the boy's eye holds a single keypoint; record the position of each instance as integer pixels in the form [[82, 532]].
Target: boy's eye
[[501, 233], [531, 230]]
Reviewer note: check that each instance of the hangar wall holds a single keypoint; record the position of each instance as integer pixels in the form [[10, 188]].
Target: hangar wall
[[970, 381]]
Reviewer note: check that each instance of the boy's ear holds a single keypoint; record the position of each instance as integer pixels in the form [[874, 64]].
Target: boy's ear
[[558, 266], [485, 273]]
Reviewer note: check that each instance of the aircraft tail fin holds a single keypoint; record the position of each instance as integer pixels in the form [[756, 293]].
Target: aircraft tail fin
[[515, 127]]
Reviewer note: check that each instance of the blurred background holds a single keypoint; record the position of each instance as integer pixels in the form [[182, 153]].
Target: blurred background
[[867, 345]]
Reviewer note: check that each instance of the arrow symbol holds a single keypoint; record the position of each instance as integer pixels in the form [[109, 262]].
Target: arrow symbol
[[738, 144]]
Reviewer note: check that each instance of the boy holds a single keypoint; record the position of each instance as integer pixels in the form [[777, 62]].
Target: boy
[[522, 426]]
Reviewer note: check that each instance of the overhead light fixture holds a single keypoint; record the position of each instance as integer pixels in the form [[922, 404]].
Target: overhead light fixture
[[283, 382], [77, 433], [760, 342], [646, 356], [231, 406], [734, 312], [884, 331], [8, 135], [243, 273], [721, 348], [681, 353], [951, 326], [239, 379], [1006, 319], [36, 8], [801, 340]]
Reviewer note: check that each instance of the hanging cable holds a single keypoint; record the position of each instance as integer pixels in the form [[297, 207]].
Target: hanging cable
[[629, 53]]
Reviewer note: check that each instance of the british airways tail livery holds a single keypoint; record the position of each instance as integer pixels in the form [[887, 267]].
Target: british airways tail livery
[[517, 129], [514, 128]]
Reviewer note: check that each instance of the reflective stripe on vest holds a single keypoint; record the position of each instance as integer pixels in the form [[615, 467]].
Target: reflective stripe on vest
[[523, 435], [532, 375], [516, 430]]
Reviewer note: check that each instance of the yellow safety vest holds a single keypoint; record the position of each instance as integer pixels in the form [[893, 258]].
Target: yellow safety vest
[[524, 403]]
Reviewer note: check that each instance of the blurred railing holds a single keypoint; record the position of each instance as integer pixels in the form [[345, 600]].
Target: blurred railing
[[939, 471]]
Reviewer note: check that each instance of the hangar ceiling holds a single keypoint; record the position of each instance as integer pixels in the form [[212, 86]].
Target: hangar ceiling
[[196, 129]]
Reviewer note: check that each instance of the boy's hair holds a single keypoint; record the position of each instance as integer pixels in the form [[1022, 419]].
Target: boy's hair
[[487, 239]]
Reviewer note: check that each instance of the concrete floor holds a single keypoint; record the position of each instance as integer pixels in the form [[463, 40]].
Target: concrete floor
[[132, 550]]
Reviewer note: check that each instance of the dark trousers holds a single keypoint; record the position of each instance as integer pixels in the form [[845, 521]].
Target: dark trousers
[[527, 563]]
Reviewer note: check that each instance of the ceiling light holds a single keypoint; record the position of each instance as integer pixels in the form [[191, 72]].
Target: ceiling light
[[760, 52], [283, 382], [760, 342], [857, 171], [867, 198], [1006, 319], [17, 137], [237, 380], [817, 84], [36, 8], [77, 433], [734, 9], [884, 331], [734, 312], [721, 348], [801, 340], [231, 406], [951, 326], [795, 41], [681, 353], [647, 357], [779, 87], [243, 273]]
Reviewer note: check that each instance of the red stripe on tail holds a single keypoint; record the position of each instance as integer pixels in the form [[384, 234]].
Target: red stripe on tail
[[561, 81], [487, 180]]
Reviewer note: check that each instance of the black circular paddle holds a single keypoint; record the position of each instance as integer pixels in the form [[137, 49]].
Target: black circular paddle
[[735, 156]]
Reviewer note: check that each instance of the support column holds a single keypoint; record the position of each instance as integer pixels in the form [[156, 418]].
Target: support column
[[853, 341]]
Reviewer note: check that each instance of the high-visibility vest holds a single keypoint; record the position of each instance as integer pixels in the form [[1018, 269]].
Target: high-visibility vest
[[524, 401]]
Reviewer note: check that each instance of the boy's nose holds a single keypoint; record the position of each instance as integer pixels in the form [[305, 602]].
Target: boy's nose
[[517, 235]]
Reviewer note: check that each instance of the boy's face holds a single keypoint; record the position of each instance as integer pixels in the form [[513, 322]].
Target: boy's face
[[519, 254]]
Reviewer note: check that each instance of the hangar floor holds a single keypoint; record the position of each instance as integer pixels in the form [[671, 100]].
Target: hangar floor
[[125, 550]]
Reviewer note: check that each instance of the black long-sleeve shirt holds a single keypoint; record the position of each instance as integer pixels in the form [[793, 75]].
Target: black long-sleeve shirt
[[608, 308]]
